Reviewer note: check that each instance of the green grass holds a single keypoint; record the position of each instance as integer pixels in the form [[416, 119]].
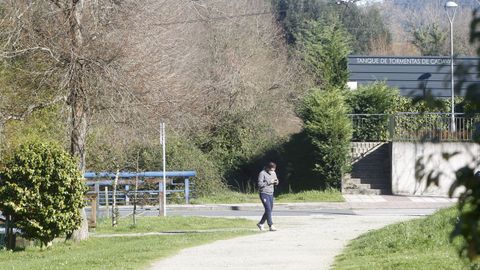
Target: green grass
[[231, 197], [417, 244], [311, 196], [118, 252], [228, 197], [172, 223]]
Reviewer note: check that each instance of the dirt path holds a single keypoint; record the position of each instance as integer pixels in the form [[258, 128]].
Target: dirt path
[[309, 242]]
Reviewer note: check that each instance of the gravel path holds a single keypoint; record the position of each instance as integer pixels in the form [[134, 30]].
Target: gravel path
[[308, 242]]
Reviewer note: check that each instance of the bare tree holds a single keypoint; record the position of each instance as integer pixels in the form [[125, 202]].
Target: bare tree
[[192, 62], [70, 41]]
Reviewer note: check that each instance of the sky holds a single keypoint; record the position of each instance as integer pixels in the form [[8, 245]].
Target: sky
[[475, 3]]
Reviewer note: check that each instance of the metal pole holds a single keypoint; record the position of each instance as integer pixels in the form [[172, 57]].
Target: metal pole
[[163, 186], [451, 6], [164, 171], [187, 191], [452, 79], [106, 202]]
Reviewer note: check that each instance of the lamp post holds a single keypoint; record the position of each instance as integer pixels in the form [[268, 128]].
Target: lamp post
[[451, 9]]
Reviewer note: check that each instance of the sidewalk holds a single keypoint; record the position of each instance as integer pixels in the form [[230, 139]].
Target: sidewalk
[[306, 243], [351, 202], [302, 242]]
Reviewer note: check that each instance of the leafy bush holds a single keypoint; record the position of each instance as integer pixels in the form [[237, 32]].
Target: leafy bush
[[184, 155], [374, 98], [45, 124], [377, 98], [41, 190], [329, 131], [237, 146], [383, 104]]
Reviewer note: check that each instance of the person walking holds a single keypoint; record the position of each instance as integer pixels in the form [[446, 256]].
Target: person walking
[[267, 180]]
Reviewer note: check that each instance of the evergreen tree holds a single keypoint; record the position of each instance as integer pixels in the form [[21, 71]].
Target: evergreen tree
[[324, 48], [430, 40], [364, 24]]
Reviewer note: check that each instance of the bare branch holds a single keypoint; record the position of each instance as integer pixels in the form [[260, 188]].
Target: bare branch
[[32, 108], [16, 53]]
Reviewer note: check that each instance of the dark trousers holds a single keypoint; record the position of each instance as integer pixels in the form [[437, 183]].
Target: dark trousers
[[267, 201]]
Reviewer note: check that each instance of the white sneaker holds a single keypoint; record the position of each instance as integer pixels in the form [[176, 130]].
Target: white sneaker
[[260, 226], [272, 228]]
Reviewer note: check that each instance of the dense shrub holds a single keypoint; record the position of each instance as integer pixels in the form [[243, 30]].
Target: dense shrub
[[238, 147], [374, 98], [45, 124], [41, 190], [329, 132], [377, 99], [384, 106], [184, 155]]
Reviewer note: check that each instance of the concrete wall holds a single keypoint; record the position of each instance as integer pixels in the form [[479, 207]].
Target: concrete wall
[[406, 158]]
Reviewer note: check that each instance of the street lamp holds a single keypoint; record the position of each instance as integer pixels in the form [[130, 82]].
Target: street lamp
[[451, 9]]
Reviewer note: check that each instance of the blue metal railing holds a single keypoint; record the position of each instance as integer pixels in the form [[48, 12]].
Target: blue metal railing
[[185, 174], [147, 194]]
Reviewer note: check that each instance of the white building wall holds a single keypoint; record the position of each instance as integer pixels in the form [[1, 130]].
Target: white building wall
[[408, 158]]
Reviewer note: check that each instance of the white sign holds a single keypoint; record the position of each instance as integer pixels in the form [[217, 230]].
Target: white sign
[[401, 61], [352, 85]]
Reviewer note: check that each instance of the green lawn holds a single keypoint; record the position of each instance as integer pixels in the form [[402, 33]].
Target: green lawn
[[173, 223], [227, 197], [231, 197], [124, 252], [311, 196], [417, 244]]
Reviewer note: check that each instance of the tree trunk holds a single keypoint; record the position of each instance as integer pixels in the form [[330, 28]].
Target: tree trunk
[[78, 102], [114, 204], [10, 240], [79, 126], [135, 194], [78, 97], [2, 123], [81, 233]]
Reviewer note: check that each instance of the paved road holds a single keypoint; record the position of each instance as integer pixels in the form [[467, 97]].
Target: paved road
[[256, 213], [354, 205]]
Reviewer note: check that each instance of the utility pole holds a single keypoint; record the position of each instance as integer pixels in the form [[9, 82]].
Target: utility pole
[[451, 8], [162, 187]]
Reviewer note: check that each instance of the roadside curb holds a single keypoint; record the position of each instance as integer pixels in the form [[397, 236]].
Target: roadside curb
[[305, 206], [258, 206]]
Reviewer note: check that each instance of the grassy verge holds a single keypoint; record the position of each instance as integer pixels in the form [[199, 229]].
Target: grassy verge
[[118, 252], [173, 223], [228, 197], [417, 244], [311, 196], [232, 197]]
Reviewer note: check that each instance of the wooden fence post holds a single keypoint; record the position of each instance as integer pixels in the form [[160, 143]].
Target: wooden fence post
[[93, 215]]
